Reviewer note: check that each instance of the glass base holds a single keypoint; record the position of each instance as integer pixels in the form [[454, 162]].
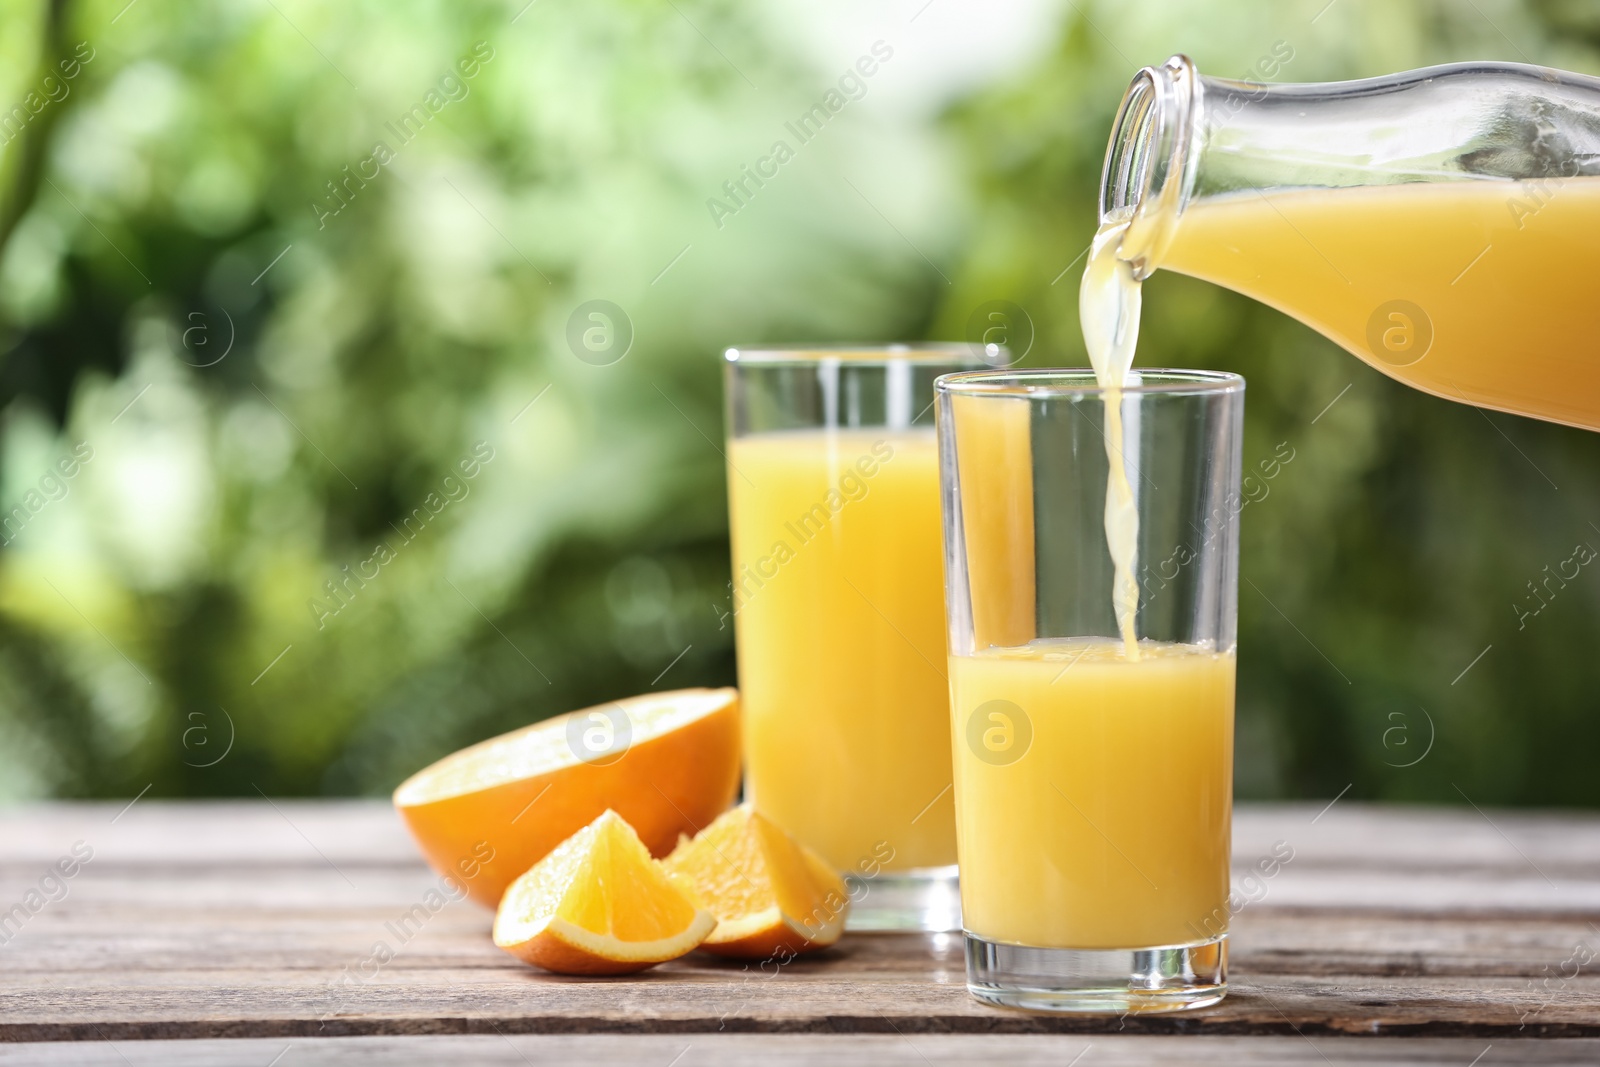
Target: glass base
[[925, 898], [1164, 978]]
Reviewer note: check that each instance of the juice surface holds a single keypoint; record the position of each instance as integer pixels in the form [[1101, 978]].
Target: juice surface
[[1111, 828], [1480, 291], [839, 592]]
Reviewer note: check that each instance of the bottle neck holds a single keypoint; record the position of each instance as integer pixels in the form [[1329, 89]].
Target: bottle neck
[[1150, 162]]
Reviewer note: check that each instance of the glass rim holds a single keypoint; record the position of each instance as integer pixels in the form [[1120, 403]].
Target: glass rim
[[920, 352], [1043, 382]]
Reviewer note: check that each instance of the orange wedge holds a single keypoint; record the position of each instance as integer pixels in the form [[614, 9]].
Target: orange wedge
[[771, 895], [599, 904], [668, 763]]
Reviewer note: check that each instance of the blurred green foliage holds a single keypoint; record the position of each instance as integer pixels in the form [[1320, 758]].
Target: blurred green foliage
[[170, 598]]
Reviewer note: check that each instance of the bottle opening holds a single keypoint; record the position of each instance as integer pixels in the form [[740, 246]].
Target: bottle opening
[[1126, 178], [1149, 169]]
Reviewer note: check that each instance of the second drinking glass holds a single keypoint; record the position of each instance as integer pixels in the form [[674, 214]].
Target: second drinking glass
[[838, 604], [1093, 764]]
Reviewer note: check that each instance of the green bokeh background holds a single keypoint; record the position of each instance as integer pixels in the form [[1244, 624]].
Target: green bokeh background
[[162, 605]]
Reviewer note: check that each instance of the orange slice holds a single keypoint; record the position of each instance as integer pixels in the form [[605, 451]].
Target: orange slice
[[770, 893], [668, 763], [599, 904]]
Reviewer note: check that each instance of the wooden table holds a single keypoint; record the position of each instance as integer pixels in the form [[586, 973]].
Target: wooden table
[[240, 932]]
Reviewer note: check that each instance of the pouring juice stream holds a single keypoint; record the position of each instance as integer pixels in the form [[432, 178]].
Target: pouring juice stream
[[1108, 306]]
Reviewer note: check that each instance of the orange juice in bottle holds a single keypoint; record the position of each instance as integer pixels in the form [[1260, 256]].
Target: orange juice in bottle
[[1441, 224]]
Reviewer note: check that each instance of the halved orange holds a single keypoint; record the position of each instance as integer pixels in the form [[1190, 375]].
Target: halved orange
[[668, 763], [770, 893], [599, 904]]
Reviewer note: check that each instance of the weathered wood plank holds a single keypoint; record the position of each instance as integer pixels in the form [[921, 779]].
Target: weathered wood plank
[[725, 1050], [366, 832], [467, 1005], [458, 984], [142, 947]]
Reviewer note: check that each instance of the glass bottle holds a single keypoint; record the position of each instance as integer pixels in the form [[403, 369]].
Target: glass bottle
[[1441, 224]]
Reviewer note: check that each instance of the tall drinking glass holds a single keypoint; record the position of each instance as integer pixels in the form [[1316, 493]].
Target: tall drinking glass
[[838, 603], [1093, 788]]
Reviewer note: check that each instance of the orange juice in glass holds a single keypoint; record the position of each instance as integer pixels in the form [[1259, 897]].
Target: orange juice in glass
[[1093, 754], [838, 607]]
